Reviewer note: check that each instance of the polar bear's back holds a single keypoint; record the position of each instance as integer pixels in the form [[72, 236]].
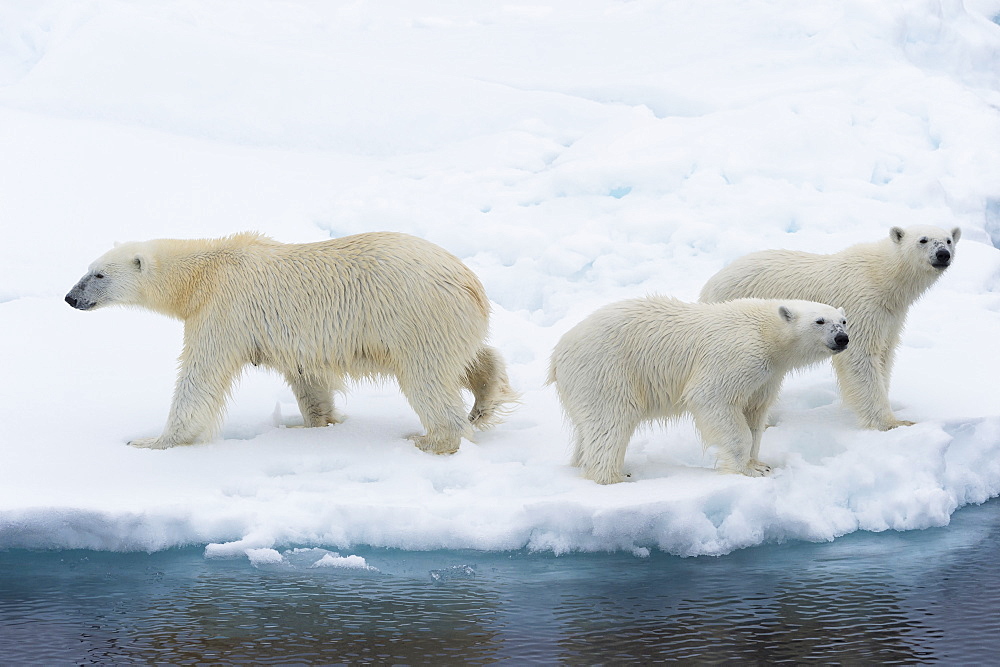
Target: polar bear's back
[[853, 276], [654, 349], [365, 303]]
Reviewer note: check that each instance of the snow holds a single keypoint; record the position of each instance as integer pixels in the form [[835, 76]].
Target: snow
[[572, 154]]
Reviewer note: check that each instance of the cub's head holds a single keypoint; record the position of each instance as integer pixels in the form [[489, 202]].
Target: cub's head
[[115, 278], [927, 246], [819, 327]]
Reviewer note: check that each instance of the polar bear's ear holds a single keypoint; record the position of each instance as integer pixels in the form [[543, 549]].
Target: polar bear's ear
[[896, 234], [139, 262], [786, 313], [956, 234], [842, 312]]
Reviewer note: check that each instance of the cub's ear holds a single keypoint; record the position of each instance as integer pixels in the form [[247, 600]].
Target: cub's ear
[[786, 313], [842, 312], [139, 262], [956, 234], [896, 234]]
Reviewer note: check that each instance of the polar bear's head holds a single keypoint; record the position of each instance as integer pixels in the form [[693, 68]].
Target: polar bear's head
[[115, 278], [818, 327], [927, 246]]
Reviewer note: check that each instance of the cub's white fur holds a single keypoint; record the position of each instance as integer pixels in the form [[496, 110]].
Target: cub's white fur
[[657, 358]]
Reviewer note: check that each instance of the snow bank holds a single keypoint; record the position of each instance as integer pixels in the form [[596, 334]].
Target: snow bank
[[572, 154]]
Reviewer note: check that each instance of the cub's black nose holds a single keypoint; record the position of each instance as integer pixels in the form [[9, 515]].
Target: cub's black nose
[[942, 256], [841, 340], [71, 300]]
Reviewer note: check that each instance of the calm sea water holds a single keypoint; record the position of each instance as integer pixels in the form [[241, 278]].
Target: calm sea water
[[920, 596]]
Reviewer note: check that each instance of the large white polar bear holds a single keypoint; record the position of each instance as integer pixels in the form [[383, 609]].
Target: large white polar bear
[[657, 358], [369, 305], [875, 283]]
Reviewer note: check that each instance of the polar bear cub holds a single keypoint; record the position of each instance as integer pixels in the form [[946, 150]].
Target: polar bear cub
[[369, 305], [656, 358], [876, 283]]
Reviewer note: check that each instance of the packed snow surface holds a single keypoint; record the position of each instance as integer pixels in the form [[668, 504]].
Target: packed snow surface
[[571, 153]]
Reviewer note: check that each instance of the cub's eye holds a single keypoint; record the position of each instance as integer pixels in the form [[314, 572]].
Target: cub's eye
[[949, 241], [821, 321], [923, 240], [99, 276]]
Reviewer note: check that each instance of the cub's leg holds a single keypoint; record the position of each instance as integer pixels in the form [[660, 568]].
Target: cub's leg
[[756, 414], [600, 449], [725, 427]]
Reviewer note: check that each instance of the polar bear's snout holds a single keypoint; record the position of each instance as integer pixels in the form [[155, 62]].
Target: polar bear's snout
[[836, 334], [941, 258], [78, 298], [840, 341]]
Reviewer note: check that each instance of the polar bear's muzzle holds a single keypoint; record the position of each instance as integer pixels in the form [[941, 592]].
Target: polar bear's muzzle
[[77, 303], [941, 259], [78, 298], [838, 342]]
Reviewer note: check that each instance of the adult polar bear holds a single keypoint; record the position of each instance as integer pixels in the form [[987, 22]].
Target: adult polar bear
[[874, 282], [377, 304], [657, 358]]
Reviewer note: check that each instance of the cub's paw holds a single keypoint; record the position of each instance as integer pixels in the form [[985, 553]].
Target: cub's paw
[[752, 469]]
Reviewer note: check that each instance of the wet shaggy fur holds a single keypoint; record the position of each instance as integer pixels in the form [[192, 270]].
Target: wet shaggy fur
[[657, 358], [875, 283], [363, 306]]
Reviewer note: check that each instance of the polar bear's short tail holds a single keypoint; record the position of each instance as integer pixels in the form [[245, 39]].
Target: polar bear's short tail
[[486, 377]]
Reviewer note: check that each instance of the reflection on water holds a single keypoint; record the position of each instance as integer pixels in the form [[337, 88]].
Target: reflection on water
[[892, 597]]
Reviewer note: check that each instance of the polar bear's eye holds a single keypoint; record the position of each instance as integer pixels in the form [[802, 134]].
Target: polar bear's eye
[[821, 321], [99, 276], [923, 240], [949, 241]]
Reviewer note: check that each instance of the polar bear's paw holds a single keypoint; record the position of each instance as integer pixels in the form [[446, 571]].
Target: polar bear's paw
[[148, 443], [888, 426], [752, 469], [431, 445]]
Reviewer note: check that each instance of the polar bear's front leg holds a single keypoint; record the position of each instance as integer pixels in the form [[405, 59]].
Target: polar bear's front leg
[[756, 414], [864, 385], [725, 427], [200, 394]]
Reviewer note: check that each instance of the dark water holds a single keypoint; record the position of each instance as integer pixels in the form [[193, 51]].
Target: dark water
[[921, 596]]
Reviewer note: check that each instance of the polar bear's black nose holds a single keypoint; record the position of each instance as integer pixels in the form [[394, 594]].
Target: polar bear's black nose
[[942, 256], [841, 340], [71, 300]]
